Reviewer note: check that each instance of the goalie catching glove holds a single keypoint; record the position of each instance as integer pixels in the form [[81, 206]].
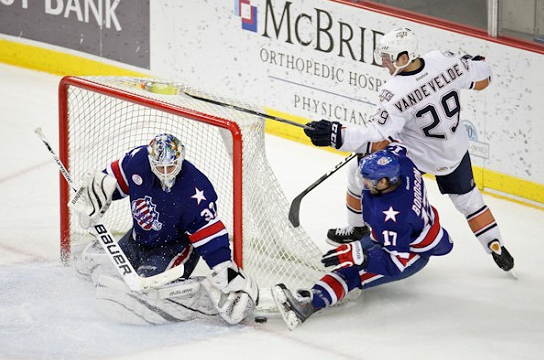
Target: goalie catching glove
[[350, 254], [93, 198], [233, 293]]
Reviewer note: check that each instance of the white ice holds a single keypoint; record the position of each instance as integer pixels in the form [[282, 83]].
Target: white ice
[[460, 306]]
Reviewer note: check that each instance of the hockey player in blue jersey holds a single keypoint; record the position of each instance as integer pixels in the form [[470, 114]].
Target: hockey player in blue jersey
[[175, 223], [406, 232]]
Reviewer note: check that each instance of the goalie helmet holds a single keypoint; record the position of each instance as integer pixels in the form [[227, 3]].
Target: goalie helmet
[[379, 165], [166, 155], [394, 43]]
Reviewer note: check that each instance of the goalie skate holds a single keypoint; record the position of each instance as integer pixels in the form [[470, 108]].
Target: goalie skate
[[293, 311]]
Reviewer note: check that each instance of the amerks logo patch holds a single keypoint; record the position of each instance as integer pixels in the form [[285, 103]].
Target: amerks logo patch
[[145, 213]]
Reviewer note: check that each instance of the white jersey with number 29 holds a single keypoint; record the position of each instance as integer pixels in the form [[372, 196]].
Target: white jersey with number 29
[[422, 108]]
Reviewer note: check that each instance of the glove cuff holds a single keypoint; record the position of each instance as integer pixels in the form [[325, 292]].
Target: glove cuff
[[221, 266], [336, 135], [358, 253]]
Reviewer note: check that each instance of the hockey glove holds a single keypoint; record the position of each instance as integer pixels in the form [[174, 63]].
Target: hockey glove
[[233, 293], [324, 133], [351, 254], [93, 198]]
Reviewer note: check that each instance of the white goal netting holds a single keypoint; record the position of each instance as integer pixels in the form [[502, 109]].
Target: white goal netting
[[104, 117]]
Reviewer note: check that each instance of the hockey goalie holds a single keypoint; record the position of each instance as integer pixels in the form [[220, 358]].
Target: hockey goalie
[[174, 224]]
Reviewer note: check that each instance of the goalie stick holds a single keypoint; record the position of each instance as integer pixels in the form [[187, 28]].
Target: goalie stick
[[239, 108], [294, 210], [110, 246]]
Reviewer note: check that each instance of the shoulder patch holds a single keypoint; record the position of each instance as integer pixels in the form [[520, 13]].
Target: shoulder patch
[[386, 95], [137, 179]]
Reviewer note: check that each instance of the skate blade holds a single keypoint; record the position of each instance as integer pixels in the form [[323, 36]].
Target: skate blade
[[289, 317], [292, 320], [513, 274]]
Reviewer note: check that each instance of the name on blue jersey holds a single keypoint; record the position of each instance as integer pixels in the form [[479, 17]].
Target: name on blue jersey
[[418, 192]]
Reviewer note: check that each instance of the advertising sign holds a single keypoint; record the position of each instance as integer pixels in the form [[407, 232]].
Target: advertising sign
[[113, 29]]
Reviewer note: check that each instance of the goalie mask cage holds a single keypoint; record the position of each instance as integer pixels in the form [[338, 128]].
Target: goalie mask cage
[[102, 118]]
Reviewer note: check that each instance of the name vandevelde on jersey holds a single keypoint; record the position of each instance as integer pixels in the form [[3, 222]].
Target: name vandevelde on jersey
[[428, 88]]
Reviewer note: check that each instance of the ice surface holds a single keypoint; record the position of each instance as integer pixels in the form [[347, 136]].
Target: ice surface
[[460, 306]]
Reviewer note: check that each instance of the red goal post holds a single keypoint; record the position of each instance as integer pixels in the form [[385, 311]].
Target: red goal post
[[101, 118], [64, 86]]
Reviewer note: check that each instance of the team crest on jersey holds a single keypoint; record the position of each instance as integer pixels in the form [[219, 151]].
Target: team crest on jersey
[[386, 95], [145, 213]]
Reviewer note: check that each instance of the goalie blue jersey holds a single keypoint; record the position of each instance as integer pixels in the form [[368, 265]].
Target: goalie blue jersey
[[187, 213], [403, 222]]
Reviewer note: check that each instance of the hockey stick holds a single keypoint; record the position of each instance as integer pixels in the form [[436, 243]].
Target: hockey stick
[[294, 210], [239, 108], [110, 246]]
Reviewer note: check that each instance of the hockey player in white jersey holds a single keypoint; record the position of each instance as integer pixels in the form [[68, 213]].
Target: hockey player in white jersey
[[420, 106]]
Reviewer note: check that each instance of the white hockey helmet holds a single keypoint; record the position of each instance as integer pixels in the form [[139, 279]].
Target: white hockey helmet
[[395, 43], [166, 155]]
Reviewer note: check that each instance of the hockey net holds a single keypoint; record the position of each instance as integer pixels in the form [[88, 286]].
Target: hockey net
[[101, 118]]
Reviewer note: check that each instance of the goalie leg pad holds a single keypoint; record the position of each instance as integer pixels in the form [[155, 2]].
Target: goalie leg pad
[[174, 302], [91, 261]]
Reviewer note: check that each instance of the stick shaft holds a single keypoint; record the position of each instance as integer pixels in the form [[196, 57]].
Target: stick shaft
[[113, 250], [249, 111], [294, 210], [61, 166]]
